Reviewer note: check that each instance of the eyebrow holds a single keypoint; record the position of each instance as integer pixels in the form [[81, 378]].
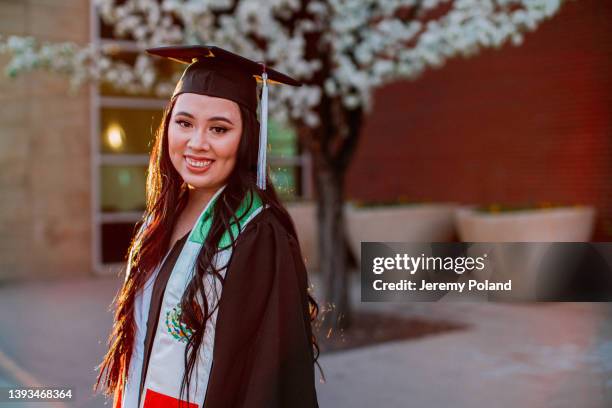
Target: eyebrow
[[222, 119], [219, 118], [189, 115]]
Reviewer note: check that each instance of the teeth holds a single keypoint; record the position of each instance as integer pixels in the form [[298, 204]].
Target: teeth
[[198, 163]]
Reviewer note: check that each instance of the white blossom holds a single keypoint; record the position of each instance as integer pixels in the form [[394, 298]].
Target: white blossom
[[362, 44]]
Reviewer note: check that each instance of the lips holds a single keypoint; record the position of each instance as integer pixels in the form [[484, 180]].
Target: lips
[[198, 164]]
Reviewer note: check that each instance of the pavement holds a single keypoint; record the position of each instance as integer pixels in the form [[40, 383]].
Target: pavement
[[554, 355]]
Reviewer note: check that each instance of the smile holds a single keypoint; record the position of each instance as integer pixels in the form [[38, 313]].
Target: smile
[[198, 165]]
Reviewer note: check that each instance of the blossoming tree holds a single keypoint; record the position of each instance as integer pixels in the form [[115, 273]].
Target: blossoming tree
[[342, 50]]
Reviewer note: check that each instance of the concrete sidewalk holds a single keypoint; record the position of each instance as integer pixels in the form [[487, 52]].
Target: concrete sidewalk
[[542, 355]]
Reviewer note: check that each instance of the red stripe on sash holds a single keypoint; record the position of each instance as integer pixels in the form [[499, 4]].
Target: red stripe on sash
[[118, 397], [158, 400]]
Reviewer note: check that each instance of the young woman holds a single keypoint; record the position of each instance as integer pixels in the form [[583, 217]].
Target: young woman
[[214, 311]]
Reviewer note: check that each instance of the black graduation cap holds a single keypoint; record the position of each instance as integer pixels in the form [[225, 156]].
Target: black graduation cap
[[216, 72]]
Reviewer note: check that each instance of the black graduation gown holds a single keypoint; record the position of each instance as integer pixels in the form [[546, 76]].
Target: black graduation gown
[[262, 355]]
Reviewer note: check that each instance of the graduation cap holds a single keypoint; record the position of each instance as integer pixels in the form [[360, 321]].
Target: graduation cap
[[216, 72]]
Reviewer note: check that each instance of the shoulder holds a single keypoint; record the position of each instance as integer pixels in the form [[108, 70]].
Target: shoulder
[[264, 252], [267, 223], [267, 242]]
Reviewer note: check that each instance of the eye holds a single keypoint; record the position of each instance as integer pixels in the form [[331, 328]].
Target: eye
[[218, 129], [183, 123]]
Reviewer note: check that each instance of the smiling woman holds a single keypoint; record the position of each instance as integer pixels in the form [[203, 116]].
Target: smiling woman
[[203, 139], [215, 273]]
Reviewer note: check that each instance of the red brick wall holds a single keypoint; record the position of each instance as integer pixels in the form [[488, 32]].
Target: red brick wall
[[518, 125]]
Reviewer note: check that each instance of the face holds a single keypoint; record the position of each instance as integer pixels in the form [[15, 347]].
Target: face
[[203, 137]]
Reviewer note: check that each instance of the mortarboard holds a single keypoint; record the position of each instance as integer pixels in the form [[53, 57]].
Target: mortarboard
[[216, 72]]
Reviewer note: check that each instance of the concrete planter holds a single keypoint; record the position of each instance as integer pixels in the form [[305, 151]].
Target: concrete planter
[[304, 215], [402, 223], [566, 224], [522, 262]]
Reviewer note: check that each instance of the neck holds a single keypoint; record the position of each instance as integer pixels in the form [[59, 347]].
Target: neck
[[199, 198]]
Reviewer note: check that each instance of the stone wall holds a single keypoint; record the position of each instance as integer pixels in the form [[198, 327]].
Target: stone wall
[[45, 217]]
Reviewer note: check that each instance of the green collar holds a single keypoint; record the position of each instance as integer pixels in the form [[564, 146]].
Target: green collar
[[249, 205]]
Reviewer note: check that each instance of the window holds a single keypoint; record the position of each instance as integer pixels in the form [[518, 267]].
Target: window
[[285, 162], [123, 129]]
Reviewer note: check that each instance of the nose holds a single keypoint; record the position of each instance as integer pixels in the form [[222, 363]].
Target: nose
[[199, 140]]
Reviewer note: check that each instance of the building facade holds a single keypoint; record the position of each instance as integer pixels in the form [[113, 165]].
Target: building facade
[[45, 209], [528, 125], [521, 125]]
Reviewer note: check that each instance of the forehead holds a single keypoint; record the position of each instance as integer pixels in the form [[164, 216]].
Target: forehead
[[206, 106]]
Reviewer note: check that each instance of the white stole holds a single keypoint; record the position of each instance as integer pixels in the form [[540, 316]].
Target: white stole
[[166, 361]]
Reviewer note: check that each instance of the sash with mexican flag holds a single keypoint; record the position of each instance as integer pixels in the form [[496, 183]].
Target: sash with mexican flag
[[166, 365]]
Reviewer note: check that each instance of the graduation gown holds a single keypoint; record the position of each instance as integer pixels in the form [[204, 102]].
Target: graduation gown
[[262, 355]]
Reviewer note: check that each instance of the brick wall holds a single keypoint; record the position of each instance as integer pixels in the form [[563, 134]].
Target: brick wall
[[45, 221], [517, 125]]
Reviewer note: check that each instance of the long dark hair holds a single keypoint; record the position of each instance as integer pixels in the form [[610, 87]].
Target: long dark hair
[[166, 197]]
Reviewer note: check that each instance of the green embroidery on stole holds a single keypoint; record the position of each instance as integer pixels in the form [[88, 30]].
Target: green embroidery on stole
[[250, 204]]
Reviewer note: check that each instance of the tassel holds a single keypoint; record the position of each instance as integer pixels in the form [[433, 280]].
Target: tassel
[[263, 134]]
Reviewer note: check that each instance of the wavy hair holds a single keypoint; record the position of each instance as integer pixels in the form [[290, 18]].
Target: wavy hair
[[166, 197]]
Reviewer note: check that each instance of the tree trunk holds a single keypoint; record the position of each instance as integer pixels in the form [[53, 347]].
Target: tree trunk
[[332, 147], [332, 245]]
